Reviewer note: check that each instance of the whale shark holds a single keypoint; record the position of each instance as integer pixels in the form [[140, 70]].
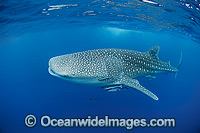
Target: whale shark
[[113, 69]]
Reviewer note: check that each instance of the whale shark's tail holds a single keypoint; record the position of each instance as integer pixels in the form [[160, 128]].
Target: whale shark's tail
[[179, 64]]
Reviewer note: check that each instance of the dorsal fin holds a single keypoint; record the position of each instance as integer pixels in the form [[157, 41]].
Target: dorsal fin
[[168, 62], [153, 52]]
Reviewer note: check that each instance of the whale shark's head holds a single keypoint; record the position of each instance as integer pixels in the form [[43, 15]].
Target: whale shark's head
[[63, 67], [73, 68]]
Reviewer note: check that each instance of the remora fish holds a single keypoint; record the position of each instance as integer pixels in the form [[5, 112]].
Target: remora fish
[[111, 67]]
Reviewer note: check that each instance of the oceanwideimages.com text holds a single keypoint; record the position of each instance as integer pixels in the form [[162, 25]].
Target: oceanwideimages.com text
[[130, 123]]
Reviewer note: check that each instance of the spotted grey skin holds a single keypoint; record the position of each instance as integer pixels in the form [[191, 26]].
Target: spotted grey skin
[[110, 67]]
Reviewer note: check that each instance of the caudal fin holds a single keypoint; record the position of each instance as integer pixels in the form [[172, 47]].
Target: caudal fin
[[179, 63]]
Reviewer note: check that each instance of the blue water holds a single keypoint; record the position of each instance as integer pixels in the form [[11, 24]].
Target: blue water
[[34, 31]]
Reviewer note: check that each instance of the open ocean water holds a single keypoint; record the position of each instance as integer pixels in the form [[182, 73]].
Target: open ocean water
[[32, 32]]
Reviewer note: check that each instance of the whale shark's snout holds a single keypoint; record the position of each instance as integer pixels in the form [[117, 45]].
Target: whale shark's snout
[[60, 67]]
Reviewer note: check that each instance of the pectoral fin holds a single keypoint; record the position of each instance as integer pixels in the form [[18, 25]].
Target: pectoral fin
[[135, 84]]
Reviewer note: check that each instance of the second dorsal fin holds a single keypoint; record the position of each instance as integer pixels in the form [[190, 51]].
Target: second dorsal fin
[[153, 52]]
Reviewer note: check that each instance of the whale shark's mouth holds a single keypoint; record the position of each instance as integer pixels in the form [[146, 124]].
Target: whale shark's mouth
[[54, 73], [65, 77]]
